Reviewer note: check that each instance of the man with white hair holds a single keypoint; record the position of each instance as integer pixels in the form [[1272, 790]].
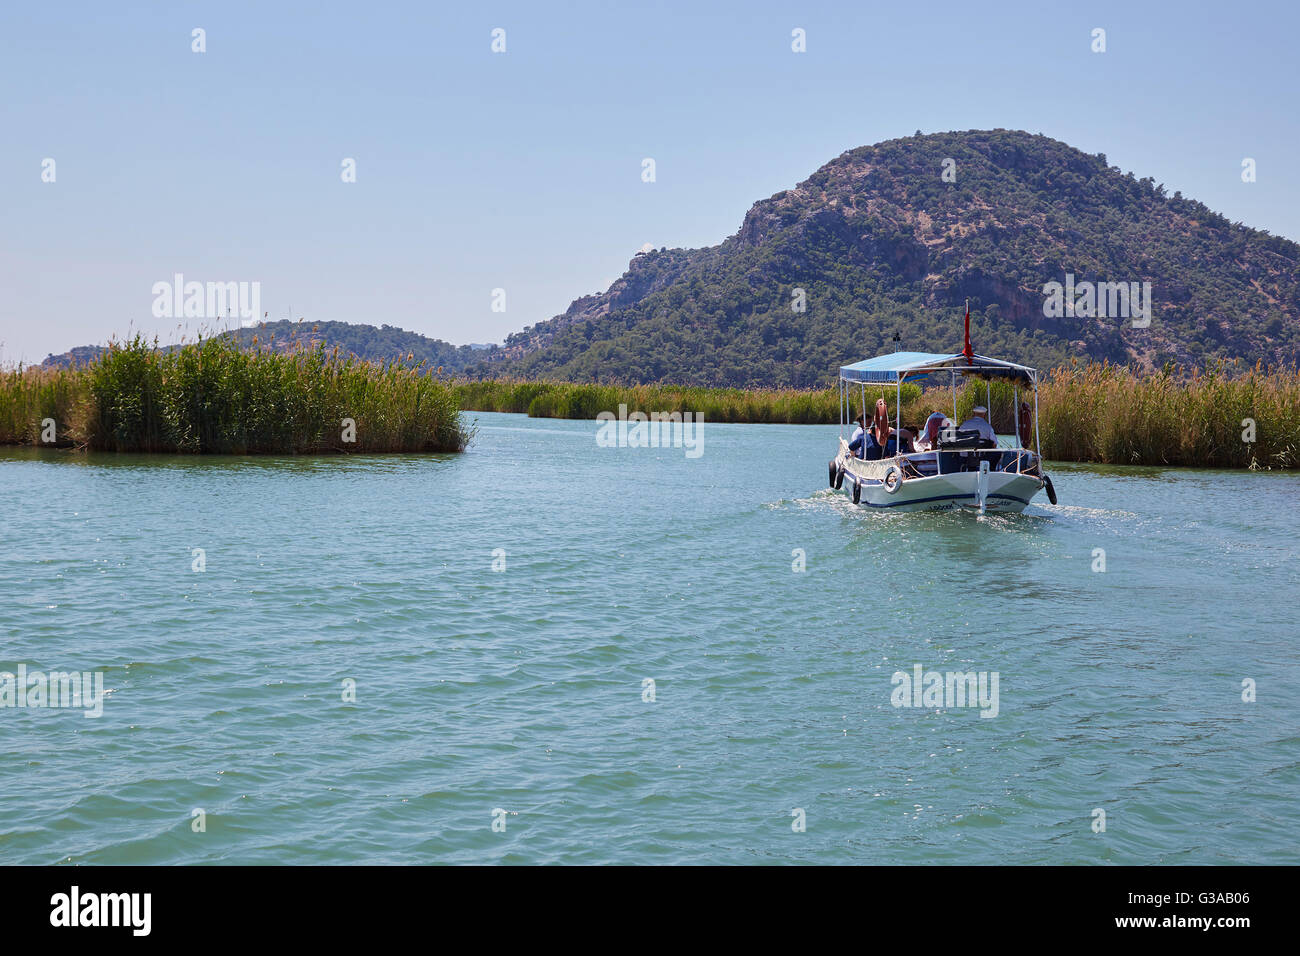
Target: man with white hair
[[979, 422]]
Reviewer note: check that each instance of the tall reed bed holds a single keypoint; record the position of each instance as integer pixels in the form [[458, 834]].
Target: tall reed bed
[[214, 397], [568, 400], [1093, 413], [211, 396], [1107, 414], [37, 403]]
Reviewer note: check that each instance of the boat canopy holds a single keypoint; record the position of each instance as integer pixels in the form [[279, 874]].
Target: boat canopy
[[914, 366]]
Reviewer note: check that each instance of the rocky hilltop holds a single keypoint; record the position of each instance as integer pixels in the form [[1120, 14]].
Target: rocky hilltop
[[893, 238]]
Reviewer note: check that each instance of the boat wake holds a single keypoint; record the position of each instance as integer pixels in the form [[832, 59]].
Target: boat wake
[[836, 502]]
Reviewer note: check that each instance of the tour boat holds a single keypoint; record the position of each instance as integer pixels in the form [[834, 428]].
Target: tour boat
[[963, 466]]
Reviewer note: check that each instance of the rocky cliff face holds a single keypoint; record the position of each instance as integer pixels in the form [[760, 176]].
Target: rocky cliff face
[[647, 273]]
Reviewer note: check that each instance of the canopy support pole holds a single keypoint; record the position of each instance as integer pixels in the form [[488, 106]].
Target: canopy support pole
[[864, 417], [1038, 438], [1015, 412], [898, 417]]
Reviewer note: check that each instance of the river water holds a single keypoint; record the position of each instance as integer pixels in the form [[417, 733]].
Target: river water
[[646, 675]]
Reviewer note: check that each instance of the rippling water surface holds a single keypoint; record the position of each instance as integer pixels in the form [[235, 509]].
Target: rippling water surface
[[522, 689]]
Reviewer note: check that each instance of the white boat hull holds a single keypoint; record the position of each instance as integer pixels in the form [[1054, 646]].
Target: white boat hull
[[1006, 493], [997, 492]]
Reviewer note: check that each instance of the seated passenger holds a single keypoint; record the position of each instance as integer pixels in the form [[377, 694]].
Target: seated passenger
[[883, 443], [979, 422], [857, 444], [874, 451], [935, 424], [907, 439]]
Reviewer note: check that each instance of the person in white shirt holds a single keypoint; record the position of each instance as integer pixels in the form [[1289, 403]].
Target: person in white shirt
[[979, 422], [934, 426]]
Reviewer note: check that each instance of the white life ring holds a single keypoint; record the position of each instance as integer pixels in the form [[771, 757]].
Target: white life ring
[[893, 479]]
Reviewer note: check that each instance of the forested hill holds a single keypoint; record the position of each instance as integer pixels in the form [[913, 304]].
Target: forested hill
[[880, 243], [374, 343]]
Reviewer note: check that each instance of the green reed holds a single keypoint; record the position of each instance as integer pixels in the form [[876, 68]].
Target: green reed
[[211, 396], [37, 403], [1107, 414], [569, 400], [1090, 413]]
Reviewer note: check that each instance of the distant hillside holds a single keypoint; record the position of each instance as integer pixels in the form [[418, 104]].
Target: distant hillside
[[880, 243], [364, 341]]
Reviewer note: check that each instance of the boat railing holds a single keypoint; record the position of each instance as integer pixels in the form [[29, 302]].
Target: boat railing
[[935, 462]]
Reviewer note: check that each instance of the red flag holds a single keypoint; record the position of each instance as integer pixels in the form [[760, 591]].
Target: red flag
[[966, 349]]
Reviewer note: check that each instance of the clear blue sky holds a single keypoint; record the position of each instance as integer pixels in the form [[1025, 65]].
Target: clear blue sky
[[523, 170]]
